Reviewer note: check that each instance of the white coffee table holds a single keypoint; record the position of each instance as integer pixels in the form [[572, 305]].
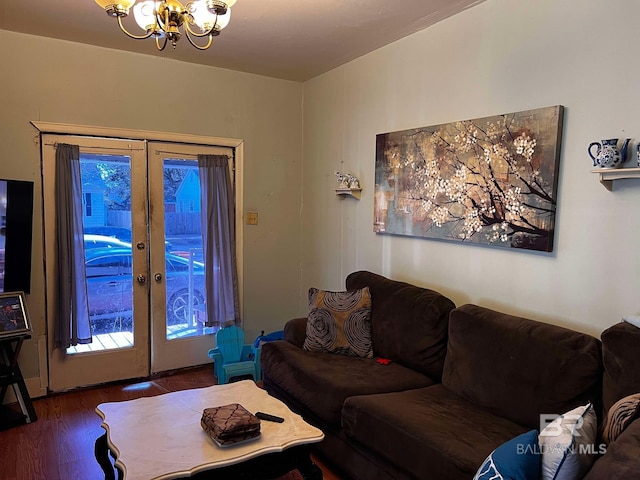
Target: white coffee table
[[160, 438]]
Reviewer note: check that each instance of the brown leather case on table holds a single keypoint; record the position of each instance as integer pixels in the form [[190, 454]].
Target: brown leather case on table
[[230, 424]]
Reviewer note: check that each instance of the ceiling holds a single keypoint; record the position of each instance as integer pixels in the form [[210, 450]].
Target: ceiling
[[289, 39]]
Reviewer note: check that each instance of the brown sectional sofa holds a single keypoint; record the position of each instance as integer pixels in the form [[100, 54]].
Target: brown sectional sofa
[[621, 354], [461, 382]]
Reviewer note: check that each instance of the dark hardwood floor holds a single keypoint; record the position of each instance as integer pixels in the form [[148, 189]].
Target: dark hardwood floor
[[59, 445]]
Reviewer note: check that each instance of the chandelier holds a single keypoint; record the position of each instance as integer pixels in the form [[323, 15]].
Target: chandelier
[[168, 20]]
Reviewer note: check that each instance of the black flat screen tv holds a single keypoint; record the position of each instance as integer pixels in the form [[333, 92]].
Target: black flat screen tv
[[16, 228]]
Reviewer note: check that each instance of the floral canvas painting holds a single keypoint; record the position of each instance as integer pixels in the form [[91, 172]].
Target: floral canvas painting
[[489, 181]]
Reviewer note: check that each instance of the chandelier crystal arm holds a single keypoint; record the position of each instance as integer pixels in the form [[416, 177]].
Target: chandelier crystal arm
[[160, 46], [199, 47], [137, 37]]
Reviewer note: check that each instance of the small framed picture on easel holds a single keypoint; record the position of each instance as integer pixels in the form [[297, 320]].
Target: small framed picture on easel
[[14, 319]]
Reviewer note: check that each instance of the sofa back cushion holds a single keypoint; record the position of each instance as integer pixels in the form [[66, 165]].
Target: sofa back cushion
[[621, 354], [409, 323], [518, 368]]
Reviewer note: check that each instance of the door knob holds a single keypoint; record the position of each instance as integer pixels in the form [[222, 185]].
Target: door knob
[[140, 245], [141, 279], [157, 277]]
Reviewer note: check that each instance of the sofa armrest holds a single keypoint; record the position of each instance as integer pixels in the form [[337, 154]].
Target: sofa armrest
[[295, 331]]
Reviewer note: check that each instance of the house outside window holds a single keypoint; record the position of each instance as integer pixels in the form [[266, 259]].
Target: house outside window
[[87, 204]]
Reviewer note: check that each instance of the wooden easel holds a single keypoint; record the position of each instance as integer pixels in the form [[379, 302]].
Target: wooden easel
[[10, 374]]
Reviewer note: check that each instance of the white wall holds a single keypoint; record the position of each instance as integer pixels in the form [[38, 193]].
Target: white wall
[[500, 56], [56, 81]]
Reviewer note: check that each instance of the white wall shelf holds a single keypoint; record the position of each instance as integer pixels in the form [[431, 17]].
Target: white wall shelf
[[353, 192], [608, 175]]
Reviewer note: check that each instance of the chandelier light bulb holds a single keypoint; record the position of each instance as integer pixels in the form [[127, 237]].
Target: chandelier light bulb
[[220, 6], [202, 17], [223, 20], [116, 8], [144, 14]]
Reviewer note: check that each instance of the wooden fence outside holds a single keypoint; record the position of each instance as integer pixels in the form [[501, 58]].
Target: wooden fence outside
[[176, 223]]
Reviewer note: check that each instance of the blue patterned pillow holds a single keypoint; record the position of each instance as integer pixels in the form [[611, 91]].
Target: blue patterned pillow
[[517, 459]]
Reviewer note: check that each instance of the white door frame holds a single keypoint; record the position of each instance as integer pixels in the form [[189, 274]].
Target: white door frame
[[102, 370]]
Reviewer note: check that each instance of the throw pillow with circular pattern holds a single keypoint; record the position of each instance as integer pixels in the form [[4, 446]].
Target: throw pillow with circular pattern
[[339, 322]]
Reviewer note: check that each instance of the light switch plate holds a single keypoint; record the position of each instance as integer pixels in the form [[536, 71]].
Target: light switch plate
[[252, 218]]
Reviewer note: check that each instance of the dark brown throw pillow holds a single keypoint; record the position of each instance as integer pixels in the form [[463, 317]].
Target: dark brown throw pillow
[[339, 322], [620, 416]]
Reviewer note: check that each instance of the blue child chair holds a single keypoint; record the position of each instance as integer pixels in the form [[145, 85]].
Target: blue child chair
[[232, 358]]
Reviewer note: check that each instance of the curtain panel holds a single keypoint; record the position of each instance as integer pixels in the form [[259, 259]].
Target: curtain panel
[[217, 200], [72, 323]]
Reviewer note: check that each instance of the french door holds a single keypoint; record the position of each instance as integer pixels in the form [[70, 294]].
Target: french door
[[178, 332], [143, 259]]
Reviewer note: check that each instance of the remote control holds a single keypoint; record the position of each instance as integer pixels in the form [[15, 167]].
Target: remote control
[[269, 418]]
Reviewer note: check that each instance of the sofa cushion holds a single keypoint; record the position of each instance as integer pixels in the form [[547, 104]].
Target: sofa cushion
[[519, 459], [620, 462], [321, 381], [339, 322], [620, 416], [567, 444], [430, 432], [518, 368], [621, 357], [409, 323]]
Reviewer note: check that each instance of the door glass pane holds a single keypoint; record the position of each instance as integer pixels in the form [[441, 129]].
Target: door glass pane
[[183, 250], [106, 197]]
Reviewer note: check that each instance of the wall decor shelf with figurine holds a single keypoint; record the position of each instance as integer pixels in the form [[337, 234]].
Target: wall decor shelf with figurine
[[608, 175], [348, 186], [610, 157], [349, 192]]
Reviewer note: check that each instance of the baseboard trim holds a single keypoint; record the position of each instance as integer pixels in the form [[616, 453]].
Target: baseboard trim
[[35, 388]]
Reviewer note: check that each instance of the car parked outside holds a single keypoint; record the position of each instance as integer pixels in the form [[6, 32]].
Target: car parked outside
[[102, 241], [120, 233], [110, 284]]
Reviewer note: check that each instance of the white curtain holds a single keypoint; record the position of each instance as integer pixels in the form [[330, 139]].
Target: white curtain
[[72, 323], [217, 216]]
